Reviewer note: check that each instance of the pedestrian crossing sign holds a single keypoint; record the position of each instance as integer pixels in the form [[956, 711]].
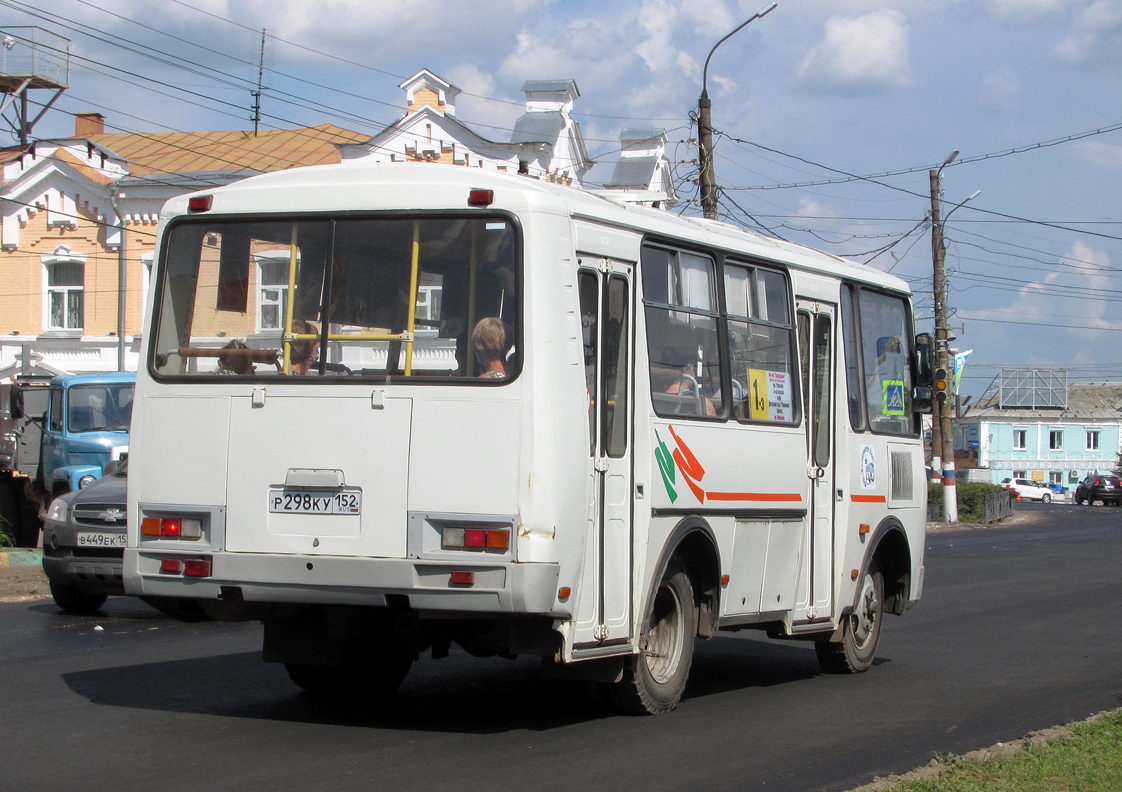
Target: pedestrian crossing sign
[[893, 397]]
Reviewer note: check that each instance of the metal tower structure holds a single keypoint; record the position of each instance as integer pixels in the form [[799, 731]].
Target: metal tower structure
[[31, 58]]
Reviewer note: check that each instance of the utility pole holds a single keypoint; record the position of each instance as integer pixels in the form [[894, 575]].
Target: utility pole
[[705, 127], [260, 79], [941, 425]]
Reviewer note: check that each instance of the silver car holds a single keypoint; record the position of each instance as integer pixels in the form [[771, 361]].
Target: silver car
[[84, 543]]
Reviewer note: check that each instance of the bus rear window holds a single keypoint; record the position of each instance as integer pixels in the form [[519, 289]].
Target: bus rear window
[[385, 297]]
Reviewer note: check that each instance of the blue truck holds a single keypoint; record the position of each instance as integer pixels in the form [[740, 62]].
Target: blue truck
[[59, 437]]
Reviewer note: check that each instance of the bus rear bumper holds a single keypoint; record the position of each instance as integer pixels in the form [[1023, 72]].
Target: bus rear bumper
[[502, 588]]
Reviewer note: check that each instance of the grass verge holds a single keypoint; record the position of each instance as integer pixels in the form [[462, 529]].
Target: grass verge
[[1080, 757]]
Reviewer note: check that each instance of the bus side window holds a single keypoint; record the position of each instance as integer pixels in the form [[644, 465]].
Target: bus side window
[[681, 317]]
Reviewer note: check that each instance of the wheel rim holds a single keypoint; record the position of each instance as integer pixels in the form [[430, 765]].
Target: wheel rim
[[664, 640], [863, 622]]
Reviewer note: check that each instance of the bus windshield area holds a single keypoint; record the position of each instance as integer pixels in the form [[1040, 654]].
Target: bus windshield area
[[385, 297]]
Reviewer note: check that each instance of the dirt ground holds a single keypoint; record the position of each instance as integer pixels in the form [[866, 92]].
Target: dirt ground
[[22, 583]]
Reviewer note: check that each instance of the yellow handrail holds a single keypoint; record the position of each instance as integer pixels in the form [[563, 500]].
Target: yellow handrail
[[291, 292], [413, 278]]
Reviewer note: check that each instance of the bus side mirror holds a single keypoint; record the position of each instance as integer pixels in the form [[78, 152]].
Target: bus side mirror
[[924, 349], [921, 400]]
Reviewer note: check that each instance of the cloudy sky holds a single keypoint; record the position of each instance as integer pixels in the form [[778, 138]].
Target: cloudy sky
[[806, 99]]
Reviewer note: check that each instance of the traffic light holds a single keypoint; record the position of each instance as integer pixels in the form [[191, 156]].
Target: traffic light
[[942, 385]]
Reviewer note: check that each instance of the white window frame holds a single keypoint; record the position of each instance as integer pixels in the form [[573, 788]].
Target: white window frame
[[271, 258], [1093, 439], [60, 256], [1024, 439], [1053, 434], [1056, 477]]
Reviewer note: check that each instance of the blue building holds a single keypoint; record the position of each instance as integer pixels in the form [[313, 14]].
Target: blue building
[[1046, 429]]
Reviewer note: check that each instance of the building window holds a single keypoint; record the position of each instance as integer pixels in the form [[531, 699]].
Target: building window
[[1056, 440], [273, 293], [66, 296], [64, 306], [1020, 474], [1056, 477], [1093, 440], [1020, 438]]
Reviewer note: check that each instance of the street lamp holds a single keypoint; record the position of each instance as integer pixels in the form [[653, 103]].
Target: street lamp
[[705, 124]]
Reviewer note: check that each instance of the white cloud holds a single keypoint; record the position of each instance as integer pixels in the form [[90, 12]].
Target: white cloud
[[1000, 90], [1104, 154], [1095, 36], [864, 54], [1025, 10]]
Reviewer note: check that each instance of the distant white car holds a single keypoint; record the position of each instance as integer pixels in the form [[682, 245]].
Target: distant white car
[[1032, 490]]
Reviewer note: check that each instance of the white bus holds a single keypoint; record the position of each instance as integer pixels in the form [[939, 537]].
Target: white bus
[[478, 408]]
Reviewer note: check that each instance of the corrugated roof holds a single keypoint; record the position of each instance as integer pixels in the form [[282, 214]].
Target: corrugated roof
[[633, 172], [236, 151], [1084, 400], [641, 133], [550, 85], [538, 127]]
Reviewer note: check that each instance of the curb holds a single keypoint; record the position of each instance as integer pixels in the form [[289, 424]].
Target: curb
[[12, 558]]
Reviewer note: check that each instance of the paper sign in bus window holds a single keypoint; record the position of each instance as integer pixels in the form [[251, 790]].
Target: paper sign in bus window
[[769, 395]]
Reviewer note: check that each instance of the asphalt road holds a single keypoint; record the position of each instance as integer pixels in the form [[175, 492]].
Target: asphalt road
[[1017, 631]]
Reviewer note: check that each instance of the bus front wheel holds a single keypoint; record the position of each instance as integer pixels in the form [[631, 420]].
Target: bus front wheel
[[860, 631], [653, 680]]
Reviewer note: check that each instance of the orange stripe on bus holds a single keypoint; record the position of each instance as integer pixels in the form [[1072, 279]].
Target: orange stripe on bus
[[868, 498], [754, 496]]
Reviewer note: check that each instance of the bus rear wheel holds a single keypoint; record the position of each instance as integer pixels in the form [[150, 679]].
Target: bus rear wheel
[[654, 680], [860, 632], [372, 671]]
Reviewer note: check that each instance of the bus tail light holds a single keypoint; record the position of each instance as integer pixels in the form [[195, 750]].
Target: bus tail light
[[462, 577], [199, 203], [196, 567], [171, 527], [460, 538], [171, 566]]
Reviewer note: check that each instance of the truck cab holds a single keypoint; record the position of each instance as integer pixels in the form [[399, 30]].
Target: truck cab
[[86, 426]]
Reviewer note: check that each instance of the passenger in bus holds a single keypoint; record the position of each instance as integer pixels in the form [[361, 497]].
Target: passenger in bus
[[304, 351], [675, 376], [488, 339], [232, 362]]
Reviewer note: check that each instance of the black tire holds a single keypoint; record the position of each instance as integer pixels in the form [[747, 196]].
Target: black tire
[[10, 513], [654, 680], [372, 671], [1045, 498], [73, 600], [860, 631]]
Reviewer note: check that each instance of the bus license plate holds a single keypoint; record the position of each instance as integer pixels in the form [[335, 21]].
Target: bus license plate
[[91, 539], [283, 501]]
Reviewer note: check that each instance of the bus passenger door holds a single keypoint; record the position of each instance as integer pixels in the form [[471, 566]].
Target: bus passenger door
[[815, 323], [604, 613]]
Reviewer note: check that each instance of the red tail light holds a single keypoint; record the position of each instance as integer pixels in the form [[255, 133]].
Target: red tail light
[[196, 567], [199, 203]]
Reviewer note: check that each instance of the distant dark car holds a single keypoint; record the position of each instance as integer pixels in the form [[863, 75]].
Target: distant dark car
[[1099, 487]]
